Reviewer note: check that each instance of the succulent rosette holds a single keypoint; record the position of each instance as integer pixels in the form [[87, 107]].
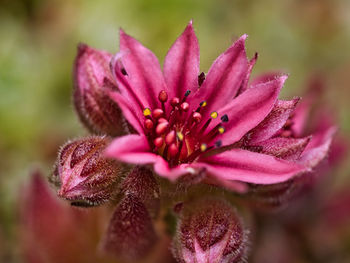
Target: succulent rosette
[[218, 128], [218, 125]]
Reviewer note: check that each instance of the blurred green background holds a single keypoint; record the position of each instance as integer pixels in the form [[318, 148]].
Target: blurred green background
[[38, 40]]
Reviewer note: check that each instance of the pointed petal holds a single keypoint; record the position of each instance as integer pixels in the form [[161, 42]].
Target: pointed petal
[[143, 70], [266, 77], [181, 64], [161, 167], [284, 148], [131, 149], [247, 110], [130, 234], [250, 167], [224, 77], [318, 147], [133, 116], [245, 83], [273, 122], [235, 186]]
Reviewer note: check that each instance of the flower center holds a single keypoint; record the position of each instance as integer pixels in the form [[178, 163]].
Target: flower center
[[180, 135]]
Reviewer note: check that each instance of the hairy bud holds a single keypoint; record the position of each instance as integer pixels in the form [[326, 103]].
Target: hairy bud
[[92, 83], [130, 234], [85, 176], [142, 184], [209, 231]]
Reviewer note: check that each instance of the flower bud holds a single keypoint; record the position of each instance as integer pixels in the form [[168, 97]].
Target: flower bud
[[85, 176], [130, 234], [141, 183], [92, 83], [209, 231]]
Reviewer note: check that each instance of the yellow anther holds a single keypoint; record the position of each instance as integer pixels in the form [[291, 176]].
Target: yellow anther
[[203, 104], [180, 136], [221, 130], [147, 112], [214, 114], [203, 147]]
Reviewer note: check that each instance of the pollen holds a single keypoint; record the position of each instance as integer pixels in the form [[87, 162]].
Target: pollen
[[203, 104], [147, 112], [180, 136], [214, 114], [221, 130], [203, 147]]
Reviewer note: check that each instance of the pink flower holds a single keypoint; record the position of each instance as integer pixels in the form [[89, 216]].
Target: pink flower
[[216, 125]]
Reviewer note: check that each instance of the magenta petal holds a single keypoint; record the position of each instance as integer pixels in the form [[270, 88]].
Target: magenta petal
[[132, 116], [318, 147], [161, 167], [181, 64], [274, 121], [266, 77], [285, 148], [131, 149], [224, 77], [251, 167], [235, 186], [245, 83], [247, 110], [142, 70]]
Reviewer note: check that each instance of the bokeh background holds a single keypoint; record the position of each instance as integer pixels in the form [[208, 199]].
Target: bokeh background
[[38, 40]]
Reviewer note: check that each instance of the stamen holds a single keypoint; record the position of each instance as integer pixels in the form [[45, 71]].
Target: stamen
[[203, 103], [149, 124], [188, 92], [163, 96], [162, 120], [170, 137], [175, 101], [218, 143], [224, 118], [201, 78], [197, 117], [180, 136], [214, 114], [157, 113], [203, 147], [158, 142], [123, 71], [185, 106], [147, 112], [221, 130], [162, 127], [173, 150]]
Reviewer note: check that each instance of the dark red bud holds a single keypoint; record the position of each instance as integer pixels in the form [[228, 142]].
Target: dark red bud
[[141, 183], [92, 84], [209, 231], [85, 176], [130, 234]]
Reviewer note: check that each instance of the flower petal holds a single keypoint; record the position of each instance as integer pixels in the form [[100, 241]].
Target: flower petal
[[130, 114], [245, 84], [318, 147], [247, 110], [161, 167], [251, 167], [274, 121], [131, 149], [224, 77], [284, 148], [143, 71], [236, 186], [181, 64]]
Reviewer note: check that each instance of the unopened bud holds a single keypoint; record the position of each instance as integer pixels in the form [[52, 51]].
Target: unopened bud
[[130, 234], [85, 176], [210, 231], [141, 183], [92, 83]]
